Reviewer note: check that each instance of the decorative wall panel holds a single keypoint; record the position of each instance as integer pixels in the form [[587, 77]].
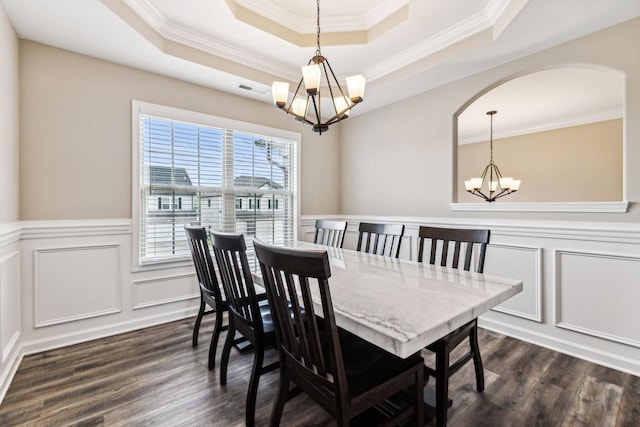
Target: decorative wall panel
[[597, 294], [76, 282], [523, 263], [164, 290]]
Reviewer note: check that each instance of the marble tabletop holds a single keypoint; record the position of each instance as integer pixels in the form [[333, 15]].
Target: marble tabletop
[[402, 306]]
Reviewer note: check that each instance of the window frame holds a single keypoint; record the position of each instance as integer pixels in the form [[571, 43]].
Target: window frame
[[139, 108]]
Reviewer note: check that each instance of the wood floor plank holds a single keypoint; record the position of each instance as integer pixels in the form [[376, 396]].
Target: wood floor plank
[[153, 377], [595, 404], [519, 373], [553, 394], [629, 412]]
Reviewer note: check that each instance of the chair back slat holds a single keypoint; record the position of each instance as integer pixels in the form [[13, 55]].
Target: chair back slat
[[446, 236], [386, 238], [202, 260], [230, 253], [293, 278], [330, 233], [456, 254]]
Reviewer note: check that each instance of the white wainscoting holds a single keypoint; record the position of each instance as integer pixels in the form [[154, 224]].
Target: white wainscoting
[[580, 284], [9, 303], [580, 281], [66, 282]]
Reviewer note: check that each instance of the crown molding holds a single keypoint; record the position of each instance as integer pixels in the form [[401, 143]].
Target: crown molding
[[502, 12], [586, 119], [307, 25], [194, 39], [474, 25], [456, 33]]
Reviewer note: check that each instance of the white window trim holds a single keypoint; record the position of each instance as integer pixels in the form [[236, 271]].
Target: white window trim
[[144, 108]]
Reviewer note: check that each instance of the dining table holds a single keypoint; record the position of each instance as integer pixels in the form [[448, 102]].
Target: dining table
[[401, 305]]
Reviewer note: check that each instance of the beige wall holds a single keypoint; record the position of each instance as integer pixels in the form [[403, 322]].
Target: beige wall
[[572, 164], [399, 160], [9, 122], [75, 129], [76, 135]]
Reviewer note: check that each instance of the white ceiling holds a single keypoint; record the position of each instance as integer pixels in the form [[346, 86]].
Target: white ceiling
[[411, 46]]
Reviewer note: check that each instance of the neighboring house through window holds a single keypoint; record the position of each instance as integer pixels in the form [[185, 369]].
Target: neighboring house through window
[[192, 168]]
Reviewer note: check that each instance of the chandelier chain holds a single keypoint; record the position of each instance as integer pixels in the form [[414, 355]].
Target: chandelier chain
[[491, 136], [318, 26]]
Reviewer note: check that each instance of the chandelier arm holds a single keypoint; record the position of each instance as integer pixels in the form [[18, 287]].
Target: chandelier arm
[[497, 170], [295, 94], [479, 194], [336, 119], [324, 66], [336, 81], [505, 192], [315, 106], [301, 119], [484, 172]]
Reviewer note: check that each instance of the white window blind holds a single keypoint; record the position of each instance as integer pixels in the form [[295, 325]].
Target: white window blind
[[223, 178]]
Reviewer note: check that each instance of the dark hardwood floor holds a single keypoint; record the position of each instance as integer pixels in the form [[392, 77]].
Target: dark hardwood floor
[[153, 377]]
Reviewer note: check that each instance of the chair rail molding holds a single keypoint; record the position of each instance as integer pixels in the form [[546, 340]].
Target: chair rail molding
[[71, 228], [10, 233]]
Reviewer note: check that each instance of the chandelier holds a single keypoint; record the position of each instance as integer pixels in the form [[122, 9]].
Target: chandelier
[[309, 109], [496, 185]]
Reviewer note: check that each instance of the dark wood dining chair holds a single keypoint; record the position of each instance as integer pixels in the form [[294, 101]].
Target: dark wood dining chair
[[380, 239], [249, 313], [330, 233], [344, 374], [456, 247], [210, 294]]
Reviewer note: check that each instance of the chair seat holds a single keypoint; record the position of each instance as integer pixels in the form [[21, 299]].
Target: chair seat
[[367, 365], [454, 336], [267, 318]]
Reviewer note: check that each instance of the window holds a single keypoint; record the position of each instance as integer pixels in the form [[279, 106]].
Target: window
[[272, 204], [195, 168], [254, 202], [166, 202]]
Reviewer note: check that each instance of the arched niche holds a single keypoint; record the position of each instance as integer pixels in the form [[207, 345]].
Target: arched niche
[[560, 130]]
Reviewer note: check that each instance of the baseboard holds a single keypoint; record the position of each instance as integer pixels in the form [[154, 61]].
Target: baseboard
[[588, 353], [10, 371]]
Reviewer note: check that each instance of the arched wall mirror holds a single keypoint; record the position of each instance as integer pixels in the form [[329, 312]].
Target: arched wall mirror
[[560, 131]]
